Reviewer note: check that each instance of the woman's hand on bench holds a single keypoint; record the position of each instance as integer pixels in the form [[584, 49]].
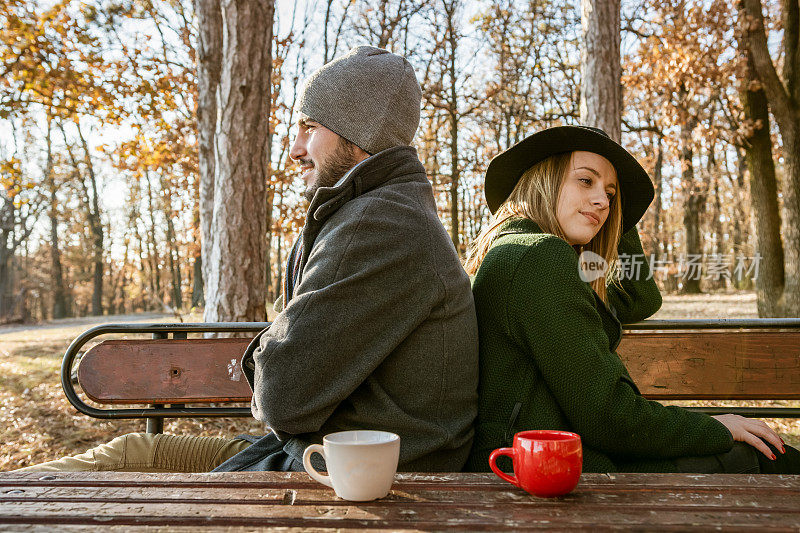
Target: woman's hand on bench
[[752, 432]]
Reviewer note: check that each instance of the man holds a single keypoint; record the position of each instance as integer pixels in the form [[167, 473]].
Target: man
[[377, 328]]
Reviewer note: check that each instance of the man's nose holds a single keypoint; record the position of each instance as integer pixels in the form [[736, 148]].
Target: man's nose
[[298, 149]]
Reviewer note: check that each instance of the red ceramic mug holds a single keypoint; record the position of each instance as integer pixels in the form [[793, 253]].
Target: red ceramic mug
[[547, 463]]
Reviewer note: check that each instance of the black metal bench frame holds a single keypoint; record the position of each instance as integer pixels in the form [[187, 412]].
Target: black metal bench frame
[[155, 413]]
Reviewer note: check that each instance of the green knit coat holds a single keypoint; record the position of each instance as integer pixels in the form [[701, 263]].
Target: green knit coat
[[547, 359]]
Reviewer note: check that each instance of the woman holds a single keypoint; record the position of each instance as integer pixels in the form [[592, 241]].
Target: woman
[[548, 329]]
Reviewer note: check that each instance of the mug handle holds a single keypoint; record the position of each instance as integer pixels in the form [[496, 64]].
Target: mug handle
[[509, 452], [325, 480]]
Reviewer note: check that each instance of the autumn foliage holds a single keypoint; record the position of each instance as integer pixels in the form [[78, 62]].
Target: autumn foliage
[[99, 175]]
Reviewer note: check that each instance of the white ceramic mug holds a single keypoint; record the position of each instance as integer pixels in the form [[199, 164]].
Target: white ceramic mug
[[361, 463]]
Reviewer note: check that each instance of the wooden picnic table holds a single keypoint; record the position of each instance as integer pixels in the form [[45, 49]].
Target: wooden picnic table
[[248, 500]]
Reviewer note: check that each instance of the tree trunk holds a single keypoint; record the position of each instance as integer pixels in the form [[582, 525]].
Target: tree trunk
[[236, 287], [268, 236], [791, 203], [719, 233], [123, 304], [209, 64], [783, 96], [96, 227], [155, 259], [6, 253], [60, 309], [197, 258], [174, 266], [763, 197], [455, 169], [601, 91], [694, 201], [455, 177], [92, 207], [740, 222], [197, 281], [116, 298], [278, 282], [173, 256], [142, 250], [276, 288], [655, 250], [13, 233], [325, 58]]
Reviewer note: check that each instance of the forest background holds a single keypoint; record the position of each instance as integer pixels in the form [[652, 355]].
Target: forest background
[[102, 200], [144, 167]]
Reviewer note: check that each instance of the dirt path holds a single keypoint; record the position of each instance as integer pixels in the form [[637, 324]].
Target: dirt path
[[737, 305], [86, 322]]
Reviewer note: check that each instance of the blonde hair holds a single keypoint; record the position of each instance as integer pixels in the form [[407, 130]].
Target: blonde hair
[[535, 197]]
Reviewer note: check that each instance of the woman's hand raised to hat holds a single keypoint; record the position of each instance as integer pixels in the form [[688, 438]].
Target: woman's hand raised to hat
[[753, 432]]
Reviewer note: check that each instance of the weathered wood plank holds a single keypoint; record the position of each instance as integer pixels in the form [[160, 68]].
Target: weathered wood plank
[[454, 481], [165, 371], [714, 364], [418, 501], [105, 527], [774, 499], [388, 516]]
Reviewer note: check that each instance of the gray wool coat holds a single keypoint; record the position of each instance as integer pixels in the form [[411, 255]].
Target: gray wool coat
[[381, 332]]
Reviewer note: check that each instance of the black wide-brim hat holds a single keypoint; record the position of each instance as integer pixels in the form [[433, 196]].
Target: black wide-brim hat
[[507, 168]]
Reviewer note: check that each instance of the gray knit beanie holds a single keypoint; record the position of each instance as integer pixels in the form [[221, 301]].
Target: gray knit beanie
[[368, 96]]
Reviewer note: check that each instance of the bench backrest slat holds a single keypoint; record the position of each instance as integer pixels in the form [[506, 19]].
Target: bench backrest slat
[[165, 371], [667, 365], [721, 365]]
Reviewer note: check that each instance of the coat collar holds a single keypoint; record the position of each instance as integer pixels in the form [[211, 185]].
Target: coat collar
[[518, 225], [373, 172], [367, 175]]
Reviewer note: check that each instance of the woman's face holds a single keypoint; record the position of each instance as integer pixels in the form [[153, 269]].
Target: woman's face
[[583, 203]]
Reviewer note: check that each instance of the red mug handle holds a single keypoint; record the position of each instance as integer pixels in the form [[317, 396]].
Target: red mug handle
[[509, 452]]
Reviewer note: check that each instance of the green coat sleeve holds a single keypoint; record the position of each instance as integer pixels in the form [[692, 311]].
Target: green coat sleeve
[[635, 297], [554, 317]]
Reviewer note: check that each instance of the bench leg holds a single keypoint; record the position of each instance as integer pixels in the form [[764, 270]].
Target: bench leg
[[155, 425]]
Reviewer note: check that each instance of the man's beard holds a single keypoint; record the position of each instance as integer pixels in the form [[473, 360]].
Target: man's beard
[[331, 170]]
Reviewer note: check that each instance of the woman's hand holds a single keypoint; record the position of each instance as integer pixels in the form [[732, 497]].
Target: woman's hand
[[752, 431]]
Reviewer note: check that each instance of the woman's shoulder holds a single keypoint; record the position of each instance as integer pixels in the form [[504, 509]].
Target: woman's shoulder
[[527, 258]]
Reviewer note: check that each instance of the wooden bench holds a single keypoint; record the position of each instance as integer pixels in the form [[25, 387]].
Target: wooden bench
[[669, 359]]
